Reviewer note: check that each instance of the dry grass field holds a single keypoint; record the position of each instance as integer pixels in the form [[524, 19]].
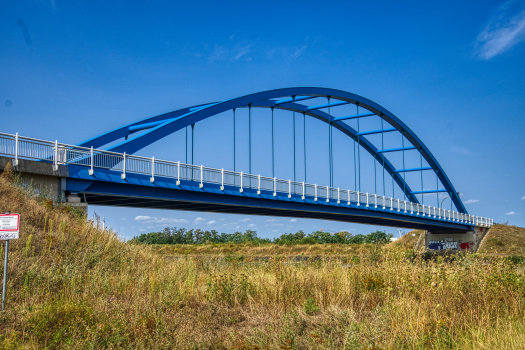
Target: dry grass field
[[504, 240], [73, 286]]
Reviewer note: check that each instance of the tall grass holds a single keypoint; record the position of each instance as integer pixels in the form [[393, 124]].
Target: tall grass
[[73, 286]]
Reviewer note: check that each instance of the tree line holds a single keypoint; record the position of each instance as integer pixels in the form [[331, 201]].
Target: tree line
[[197, 236]]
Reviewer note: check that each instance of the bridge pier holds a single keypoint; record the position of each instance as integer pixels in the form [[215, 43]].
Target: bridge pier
[[42, 179], [468, 241]]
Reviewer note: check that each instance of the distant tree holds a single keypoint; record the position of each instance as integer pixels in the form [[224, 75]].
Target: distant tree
[[198, 236]]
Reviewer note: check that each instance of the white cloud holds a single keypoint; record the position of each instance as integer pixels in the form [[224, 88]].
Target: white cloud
[[286, 52], [523, 198], [230, 53], [470, 201], [251, 225], [505, 29], [198, 220], [293, 220], [245, 220], [510, 213], [275, 231], [237, 227], [211, 222], [271, 220], [164, 221], [298, 52], [277, 224]]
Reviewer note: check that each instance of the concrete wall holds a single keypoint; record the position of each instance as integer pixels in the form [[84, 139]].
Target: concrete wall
[[41, 178], [455, 242]]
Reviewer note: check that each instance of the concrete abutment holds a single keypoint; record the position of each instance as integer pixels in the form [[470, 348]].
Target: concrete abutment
[[42, 179]]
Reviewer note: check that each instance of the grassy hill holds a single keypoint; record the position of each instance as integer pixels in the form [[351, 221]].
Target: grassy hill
[[504, 240], [72, 285]]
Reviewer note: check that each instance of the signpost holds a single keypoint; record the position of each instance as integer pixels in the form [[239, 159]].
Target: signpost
[[9, 229]]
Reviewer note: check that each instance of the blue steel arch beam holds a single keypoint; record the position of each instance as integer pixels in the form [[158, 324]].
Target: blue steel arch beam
[[173, 124], [125, 131], [349, 131]]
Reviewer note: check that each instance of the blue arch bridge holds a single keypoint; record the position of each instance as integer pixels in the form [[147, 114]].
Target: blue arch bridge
[[95, 173]]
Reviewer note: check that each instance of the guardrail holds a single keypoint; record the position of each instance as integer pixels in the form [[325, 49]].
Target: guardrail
[[57, 153]]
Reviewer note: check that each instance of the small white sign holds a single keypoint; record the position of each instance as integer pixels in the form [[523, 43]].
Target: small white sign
[[9, 226]]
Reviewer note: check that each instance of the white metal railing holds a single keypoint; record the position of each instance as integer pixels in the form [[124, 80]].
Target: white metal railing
[[57, 153]]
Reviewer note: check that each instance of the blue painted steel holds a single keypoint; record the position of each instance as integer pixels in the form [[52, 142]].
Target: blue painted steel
[[288, 100], [145, 126], [328, 105], [429, 191], [355, 116], [412, 169], [118, 133], [106, 187], [184, 117], [377, 131], [201, 107], [396, 149]]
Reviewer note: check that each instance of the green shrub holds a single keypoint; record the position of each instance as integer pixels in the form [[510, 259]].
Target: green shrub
[[310, 307]]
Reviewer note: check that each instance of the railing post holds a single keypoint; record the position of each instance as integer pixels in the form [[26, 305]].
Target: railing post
[[405, 206], [434, 212], [423, 210], [367, 199], [338, 196], [375, 200], [384, 202], [398, 206], [91, 157], [152, 178], [201, 185], [348, 197], [15, 162], [315, 198], [222, 179], [241, 183], [411, 208], [274, 186], [123, 175], [358, 199], [391, 204], [178, 173], [55, 155], [304, 194], [259, 187], [289, 188]]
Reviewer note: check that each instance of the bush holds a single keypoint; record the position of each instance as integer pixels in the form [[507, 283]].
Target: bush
[[310, 307]]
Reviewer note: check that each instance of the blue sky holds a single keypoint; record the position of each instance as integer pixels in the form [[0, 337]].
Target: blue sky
[[452, 71]]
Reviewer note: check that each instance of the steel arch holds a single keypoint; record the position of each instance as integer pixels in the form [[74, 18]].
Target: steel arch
[[165, 124]]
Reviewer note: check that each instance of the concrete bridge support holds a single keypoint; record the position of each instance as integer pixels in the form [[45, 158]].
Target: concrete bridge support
[[468, 241], [42, 179]]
